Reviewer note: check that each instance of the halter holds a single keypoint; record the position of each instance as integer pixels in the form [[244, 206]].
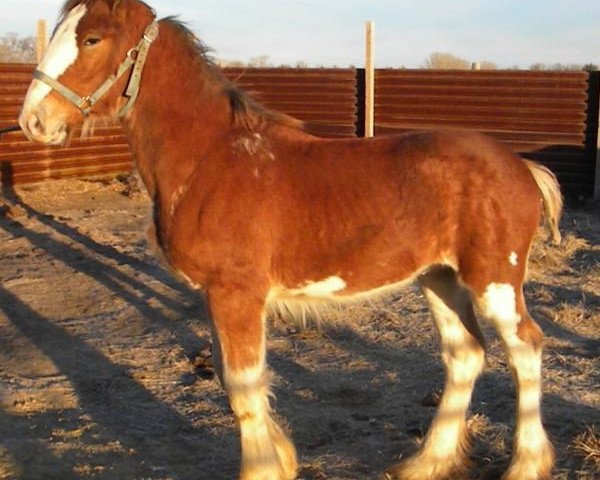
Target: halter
[[136, 57]]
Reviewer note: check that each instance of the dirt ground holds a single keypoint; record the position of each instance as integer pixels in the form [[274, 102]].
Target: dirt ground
[[105, 369]]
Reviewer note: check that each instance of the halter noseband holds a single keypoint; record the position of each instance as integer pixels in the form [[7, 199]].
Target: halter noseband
[[136, 57]]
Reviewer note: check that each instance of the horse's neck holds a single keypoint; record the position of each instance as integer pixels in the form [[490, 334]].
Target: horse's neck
[[179, 114]]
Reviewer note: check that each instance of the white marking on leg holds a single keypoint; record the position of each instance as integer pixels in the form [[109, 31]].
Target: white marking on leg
[[443, 449], [246, 378], [266, 451], [61, 54], [499, 303], [513, 259], [533, 452]]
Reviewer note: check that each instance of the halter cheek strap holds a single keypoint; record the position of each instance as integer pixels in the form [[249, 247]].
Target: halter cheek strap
[[136, 57]]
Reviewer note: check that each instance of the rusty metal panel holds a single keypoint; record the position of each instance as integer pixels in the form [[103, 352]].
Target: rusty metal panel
[[549, 116], [325, 99], [22, 161], [541, 115]]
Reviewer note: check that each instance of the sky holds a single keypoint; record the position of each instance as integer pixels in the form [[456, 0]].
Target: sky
[[332, 32]]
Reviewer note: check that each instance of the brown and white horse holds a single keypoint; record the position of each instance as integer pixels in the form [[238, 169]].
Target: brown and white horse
[[262, 217]]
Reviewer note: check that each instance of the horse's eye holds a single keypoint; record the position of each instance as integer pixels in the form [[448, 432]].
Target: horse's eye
[[92, 41]]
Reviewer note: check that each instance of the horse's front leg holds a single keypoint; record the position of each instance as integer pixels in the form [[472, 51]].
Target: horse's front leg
[[238, 317]]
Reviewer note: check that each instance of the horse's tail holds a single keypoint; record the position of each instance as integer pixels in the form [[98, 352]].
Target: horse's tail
[[551, 196]]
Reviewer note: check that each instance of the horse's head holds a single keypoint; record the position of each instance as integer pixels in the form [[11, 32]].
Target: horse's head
[[86, 68]]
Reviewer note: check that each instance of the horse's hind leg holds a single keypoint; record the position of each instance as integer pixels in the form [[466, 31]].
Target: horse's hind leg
[[238, 323], [504, 305], [443, 453]]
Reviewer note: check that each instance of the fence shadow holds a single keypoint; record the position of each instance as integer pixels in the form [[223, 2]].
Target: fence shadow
[[20, 452], [133, 291], [10, 195], [577, 180]]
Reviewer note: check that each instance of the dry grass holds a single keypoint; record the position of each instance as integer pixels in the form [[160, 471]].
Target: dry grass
[[546, 256], [587, 445]]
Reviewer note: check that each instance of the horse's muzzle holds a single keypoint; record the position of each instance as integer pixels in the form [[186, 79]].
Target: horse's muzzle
[[36, 127]]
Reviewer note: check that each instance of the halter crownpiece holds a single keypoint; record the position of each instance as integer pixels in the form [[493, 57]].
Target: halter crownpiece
[[136, 57]]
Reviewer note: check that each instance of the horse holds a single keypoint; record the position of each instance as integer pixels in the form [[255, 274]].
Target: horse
[[262, 217]]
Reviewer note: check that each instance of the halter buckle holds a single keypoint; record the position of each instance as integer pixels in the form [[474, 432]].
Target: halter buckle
[[85, 103]]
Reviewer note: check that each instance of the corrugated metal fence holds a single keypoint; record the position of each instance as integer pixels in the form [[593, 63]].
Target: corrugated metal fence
[[551, 117], [22, 161], [325, 99], [548, 116]]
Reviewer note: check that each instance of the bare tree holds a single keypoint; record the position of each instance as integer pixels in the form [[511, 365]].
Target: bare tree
[[538, 66], [567, 67], [17, 50], [260, 62], [487, 65], [230, 63], [446, 61]]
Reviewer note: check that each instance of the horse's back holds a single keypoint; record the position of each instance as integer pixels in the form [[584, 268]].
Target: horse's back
[[402, 203]]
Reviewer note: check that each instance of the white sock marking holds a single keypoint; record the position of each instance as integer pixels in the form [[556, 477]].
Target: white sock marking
[[464, 364], [499, 304]]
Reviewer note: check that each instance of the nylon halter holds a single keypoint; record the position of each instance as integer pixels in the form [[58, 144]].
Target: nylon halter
[[136, 57]]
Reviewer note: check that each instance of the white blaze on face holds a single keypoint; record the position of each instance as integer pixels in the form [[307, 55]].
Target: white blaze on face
[[61, 54]]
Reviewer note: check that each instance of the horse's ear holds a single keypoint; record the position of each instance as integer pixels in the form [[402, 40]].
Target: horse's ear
[[117, 8], [114, 5]]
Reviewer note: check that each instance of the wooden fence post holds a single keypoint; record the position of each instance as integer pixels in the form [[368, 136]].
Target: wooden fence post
[[41, 39], [370, 83]]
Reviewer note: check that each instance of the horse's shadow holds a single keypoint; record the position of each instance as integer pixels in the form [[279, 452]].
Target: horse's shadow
[[580, 345], [105, 393]]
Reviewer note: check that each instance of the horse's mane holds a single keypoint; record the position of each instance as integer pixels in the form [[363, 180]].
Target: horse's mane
[[246, 112]]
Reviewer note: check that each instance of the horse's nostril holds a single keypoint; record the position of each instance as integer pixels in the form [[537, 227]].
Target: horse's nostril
[[35, 125]]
